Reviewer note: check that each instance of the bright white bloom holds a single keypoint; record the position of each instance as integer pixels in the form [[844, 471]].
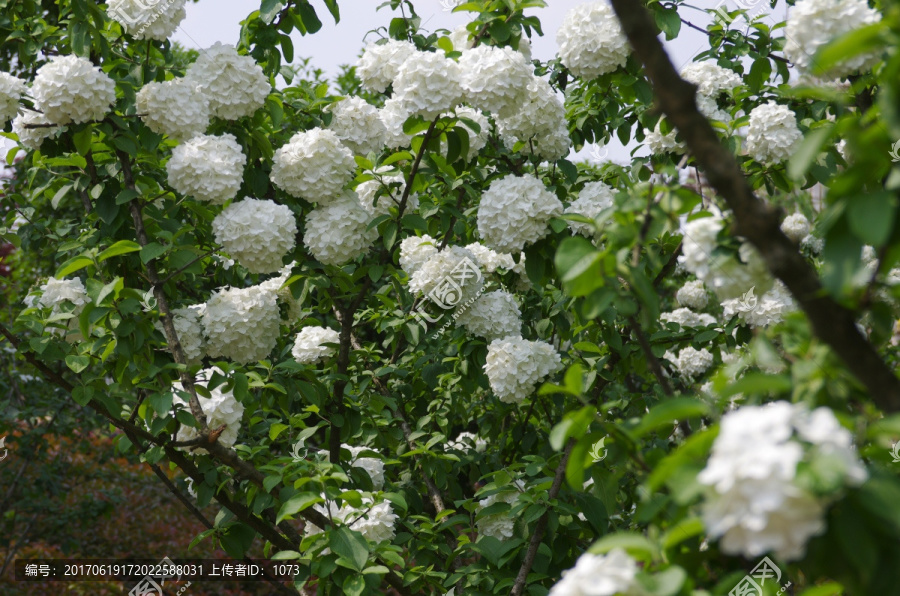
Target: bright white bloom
[[314, 165], [175, 108], [768, 309], [388, 190], [190, 332], [691, 362], [613, 574], [449, 278], [497, 525], [660, 143], [283, 293], [428, 84], [393, 115], [514, 211], [710, 78], [235, 85], [32, 138], [540, 121], [591, 42], [843, 150], [515, 366], [415, 252], [220, 408], [71, 89], [380, 63], [493, 315], [693, 295], [772, 135], [796, 227], [495, 79], [459, 37], [147, 20], [467, 441], [688, 318], [375, 521], [242, 323], [336, 233], [258, 233], [813, 23], [309, 347], [477, 141], [207, 168], [593, 198], [358, 125], [373, 466], [490, 260], [698, 244], [11, 91], [56, 293]]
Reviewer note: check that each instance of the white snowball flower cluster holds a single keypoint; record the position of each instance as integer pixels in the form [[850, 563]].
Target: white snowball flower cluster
[[32, 138], [593, 198], [258, 233], [796, 227], [813, 23], [467, 441], [493, 315], [691, 362], [514, 211], [449, 277], [375, 521], [733, 277], [772, 135], [685, 317], [710, 78], [373, 466], [175, 108], [497, 525], [71, 89], [698, 244], [540, 121], [612, 574], [693, 295], [478, 140], [336, 233], [309, 347], [591, 42], [393, 115], [380, 63], [283, 293], [755, 505], [220, 408], [389, 191], [235, 85], [490, 260], [11, 91], [190, 332], [57, 291], [242, 323], [207, 168], [314, 165], [415, 252], [147, 22], [660, 144], [358, 125], [768, 309], [514, 366], [459, 38], [428, 84], [494, 79]]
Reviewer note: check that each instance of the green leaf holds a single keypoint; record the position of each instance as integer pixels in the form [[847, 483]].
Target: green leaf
[[78, 363], [309, 17], [756, 383], [152, 251], [637, 545], [269, 9], [161, 402], [297, 503], [668, 22], [493, 549], [568, 169], [351, 546], [808, 151], [668, 412], [859, 41], [126, 195], [82, 140], [121, 247], [72, 265], [237, 538], [871, 216]]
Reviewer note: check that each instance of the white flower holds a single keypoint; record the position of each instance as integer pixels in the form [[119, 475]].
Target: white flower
[[490, 260], [467, 441], [796, 227], [691, 362], [772, 135], [336, 233], [358, 125], [175, 108], [388, 190], [710, 78], [514, 211], [497, 525], [189, 331], [147, 20], [660, 144], [32, 138], [11, 91], [380, 63], [539, 122], [591, 41], [235, 85], [393, 115], [770, 307], [313, 165], [687, 318], [692, 295], [613, 574], [428, 84], [478, 140], [373, 466], [56, 293], [242, 323], [283, 293], [495, 79], [375, 521], [493, 315], [514, 366], [821, 428], [449, 278], [813, 23], [71, 89], [258, 233], [220, 408], [207, 168], [415, 252], [698, 244], [459, 37], [593, 198], [309, 347]]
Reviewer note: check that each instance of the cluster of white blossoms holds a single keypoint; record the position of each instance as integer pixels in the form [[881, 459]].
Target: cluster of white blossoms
[[494, 315], [592, 199], [56, 292], [539, 122], [515, 366], [309, 347], [242, 323], [393, 115], [494, 79], [710, 78], [685, 317], [770, 307], [478, 140], [755, 504], [498, 525], [235, 85], [491, 260], [375, 521], [147, 20], [691, 362], [31, 138], [772, 134], [813, 23], [358, 125], [514, 211], [380, 63], [11, 91], [467, 441], [415, 252], [453, 269], [796, 227], [591, 42], [378, 196], [373, 466], [693, 294], [428, 84], [314, 165], [71, 89], [220, 408], [258, 233], [660, 143], [698, 244], [175, 108], [612, 574], [336, 233], [207, 168], [190, 332]]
